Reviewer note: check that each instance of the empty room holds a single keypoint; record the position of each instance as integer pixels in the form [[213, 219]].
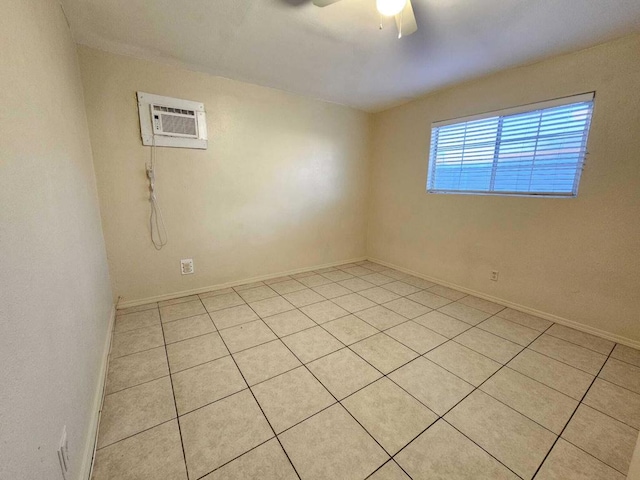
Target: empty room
[[320, 239]]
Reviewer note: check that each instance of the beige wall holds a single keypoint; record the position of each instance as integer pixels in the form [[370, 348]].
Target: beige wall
[[575, 258], [55, 299], [282, 186]]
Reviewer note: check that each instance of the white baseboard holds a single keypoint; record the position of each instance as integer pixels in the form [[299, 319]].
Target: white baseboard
[[184, 293], [516, 306], [92, 436]]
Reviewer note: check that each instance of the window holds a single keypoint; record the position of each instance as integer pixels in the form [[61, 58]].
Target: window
[[536, 150]]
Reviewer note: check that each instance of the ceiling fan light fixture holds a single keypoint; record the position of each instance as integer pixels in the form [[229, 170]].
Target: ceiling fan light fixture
[[390, 8]]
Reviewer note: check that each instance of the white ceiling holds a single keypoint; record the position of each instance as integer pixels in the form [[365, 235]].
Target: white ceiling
[[337, 53]]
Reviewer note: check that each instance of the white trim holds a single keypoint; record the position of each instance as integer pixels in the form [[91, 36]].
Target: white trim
[[584, 97], [523, 308], [92, 437], [498, 193], [184, 293]]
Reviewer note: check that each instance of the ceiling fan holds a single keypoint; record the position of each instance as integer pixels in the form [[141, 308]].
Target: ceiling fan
[[400, 9]]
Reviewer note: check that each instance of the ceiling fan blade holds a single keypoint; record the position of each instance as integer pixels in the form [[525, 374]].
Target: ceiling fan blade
[[406, 20], [324, 3]]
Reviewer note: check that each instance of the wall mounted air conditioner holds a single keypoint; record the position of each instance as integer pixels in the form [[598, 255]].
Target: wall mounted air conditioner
[[171, 122]]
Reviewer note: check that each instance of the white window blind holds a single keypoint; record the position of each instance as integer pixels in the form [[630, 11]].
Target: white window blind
[[531, 150]]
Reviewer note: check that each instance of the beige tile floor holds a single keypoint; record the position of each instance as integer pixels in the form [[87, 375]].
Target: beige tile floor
[[360, 372]]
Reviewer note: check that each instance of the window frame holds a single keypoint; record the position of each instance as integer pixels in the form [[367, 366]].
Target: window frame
[[588, 97]]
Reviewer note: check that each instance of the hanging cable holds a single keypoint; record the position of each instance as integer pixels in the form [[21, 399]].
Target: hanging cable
[[156, 221]]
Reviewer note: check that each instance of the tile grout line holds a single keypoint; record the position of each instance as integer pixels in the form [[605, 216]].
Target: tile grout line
[[139, 351], [571, 418], [138, 384], [533, 330], [479, 446], [135, 434], [539, 335], [187, 317], [535, 380], [625, 362], [215, 401], [136, 311], [133, 330], [579, 345], [257, 403], [238, 456], [605, 413], [613, 383], [391, 460], [565, 363], [592, 456], [173, 393]]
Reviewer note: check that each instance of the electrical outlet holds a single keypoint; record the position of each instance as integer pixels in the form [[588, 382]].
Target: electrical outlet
[[494, 275], [63, 453], [186, 266]]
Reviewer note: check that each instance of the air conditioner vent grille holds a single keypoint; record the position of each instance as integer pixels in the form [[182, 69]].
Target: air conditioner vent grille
[[160, 108], [179, 125]]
